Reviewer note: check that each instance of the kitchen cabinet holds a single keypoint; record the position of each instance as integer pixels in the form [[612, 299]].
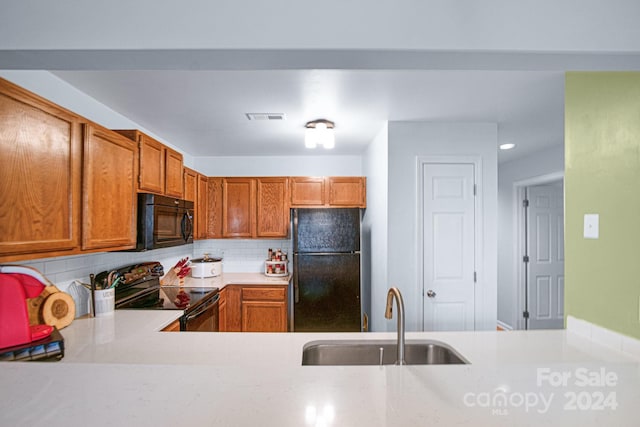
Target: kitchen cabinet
[[195, 190], [173, 173], [264, 309], [253, 308], [40, 154], [222, 311], [214, 208], [201, 211], [330, 191], [160, 167], [109, 200], [238, 207], [272, 204], [190, 178], [172, 327], [253, 207]]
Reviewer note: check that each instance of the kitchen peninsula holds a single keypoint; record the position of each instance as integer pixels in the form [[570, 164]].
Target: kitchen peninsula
[[121, 370]]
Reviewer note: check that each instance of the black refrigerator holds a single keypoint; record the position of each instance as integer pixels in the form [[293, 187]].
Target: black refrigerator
[[326, 270]]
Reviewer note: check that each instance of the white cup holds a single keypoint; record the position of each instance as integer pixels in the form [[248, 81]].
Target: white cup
[[104, 302]]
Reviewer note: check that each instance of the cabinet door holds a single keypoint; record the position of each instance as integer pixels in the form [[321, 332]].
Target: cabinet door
[[152, 170], [173, 173], [222, 311], [264, 309], [109, 190], [214, 208], [40, 154], [201, 207], [264, 316], [233, 310], [307, 191], [190, 178], [273, 207], [238, 207], [347, 191]]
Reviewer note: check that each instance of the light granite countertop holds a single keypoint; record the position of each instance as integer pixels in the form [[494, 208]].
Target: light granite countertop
[[120, 370]]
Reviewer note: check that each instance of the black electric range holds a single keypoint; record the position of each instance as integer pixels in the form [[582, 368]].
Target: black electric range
[[199, 305]]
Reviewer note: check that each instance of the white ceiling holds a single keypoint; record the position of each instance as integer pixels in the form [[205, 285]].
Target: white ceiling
[[203, 112]]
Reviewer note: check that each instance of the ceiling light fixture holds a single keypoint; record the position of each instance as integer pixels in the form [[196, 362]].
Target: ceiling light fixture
[[508, 146], [319, 132]]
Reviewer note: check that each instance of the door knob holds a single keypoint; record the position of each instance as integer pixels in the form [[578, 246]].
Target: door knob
[[431, 294]]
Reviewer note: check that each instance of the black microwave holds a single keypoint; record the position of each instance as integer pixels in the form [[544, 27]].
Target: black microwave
[[163, 222]]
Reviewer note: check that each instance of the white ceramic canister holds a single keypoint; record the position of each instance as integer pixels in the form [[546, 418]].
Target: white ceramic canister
[[206, 267]]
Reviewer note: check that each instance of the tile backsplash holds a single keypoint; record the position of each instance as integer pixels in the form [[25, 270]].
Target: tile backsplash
[[239, 256]]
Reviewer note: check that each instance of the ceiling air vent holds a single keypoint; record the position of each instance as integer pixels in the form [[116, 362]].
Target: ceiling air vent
[[265, 116]]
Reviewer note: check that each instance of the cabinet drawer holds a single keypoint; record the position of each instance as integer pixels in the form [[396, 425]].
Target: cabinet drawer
[[264, 294]]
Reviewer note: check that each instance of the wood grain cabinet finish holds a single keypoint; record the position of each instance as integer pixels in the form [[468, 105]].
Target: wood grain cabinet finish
[[190, 179], [238, 207], [160, 167], [272, 207], [195, 190], [328, 192], [347, 191], [40, 167], [222, 311], [214, 208], [173, 173], [307, 191], [109, 201], [264, 309], [201, 211]]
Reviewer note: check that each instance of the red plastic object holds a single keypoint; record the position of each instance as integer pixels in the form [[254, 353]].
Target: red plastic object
[[14, 317]]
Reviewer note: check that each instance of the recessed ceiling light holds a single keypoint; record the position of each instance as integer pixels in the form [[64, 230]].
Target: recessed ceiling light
[[507, 146]]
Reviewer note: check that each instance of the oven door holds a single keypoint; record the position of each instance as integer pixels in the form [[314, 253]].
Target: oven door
[[203, 318]]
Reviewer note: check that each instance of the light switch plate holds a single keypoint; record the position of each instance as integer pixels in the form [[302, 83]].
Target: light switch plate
[[591, 226]]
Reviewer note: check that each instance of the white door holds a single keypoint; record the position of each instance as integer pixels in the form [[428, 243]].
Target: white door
[[448, 246], [545, 249]]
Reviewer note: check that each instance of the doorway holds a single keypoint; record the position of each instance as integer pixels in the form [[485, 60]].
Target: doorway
[[542, 263]]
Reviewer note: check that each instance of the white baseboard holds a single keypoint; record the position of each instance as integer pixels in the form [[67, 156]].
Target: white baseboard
[[504, 326]]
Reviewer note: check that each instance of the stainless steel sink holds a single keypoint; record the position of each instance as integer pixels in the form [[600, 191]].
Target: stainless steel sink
[[378, 352]]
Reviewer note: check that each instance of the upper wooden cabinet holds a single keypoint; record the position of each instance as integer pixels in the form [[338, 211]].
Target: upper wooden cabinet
[[214, 208], [109, 201], [173, 173], [195, 190], [40, 158], [254, 207], [329, 191], [202, 213], [238, 207], [190, 178], [272, 204], [160, 167]]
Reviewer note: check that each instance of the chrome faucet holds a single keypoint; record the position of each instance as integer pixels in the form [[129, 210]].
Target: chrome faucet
[[388, 313]]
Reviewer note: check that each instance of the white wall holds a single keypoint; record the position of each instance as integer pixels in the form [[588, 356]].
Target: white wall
[[463, 25], [407, 141], [280, 166], [375, 165], [549, 161]]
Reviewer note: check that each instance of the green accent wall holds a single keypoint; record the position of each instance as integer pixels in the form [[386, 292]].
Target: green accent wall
[[602, 176]]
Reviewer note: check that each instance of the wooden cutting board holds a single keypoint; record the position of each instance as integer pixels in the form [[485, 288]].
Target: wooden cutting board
[[51, 307]]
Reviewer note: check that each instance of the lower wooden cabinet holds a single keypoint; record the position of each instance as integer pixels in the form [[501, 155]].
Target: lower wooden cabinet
[[172, 327], [253, 309]]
